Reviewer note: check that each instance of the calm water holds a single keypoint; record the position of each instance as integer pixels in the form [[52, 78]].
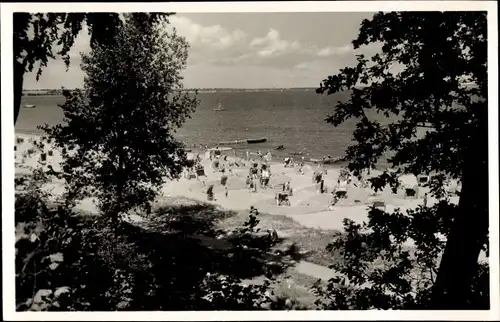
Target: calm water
[[295, 119]]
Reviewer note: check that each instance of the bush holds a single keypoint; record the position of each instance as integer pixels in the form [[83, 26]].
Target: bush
[[68, 261], [391, 262]]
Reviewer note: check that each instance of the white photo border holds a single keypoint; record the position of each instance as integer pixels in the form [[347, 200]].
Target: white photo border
[[7, 128]]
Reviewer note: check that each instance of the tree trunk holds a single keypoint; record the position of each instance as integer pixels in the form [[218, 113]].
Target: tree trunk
[[459, 263], [18, 87]]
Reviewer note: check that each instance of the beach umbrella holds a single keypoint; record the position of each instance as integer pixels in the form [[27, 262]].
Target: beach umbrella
[[410, 185]]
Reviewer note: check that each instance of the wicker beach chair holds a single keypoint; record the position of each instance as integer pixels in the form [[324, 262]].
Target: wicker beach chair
[[340, 192], [379, 204], [283, 198], [411, 191]]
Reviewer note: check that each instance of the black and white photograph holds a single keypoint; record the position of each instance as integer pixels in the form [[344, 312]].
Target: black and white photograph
[[226, 157]]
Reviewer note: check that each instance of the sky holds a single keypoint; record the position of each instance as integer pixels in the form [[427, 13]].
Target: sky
[[244, 50]]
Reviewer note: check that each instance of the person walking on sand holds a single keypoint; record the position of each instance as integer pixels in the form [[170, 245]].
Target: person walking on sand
[[425, 200], [286, 187], [250, 184], [226, 190], [210, 193]]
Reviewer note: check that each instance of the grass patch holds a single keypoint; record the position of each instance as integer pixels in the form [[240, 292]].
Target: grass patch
[[311, 242]]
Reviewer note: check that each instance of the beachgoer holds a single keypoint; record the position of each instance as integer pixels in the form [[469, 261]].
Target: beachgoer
[[248, 155], [254, 211], [210, 193], [425, 200], [268, 156], [226, 190], [275, 235], [272, 236], [255, 171], [287, 186], [300, 169]]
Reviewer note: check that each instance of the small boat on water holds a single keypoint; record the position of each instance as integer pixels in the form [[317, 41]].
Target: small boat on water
[[29, 106], [233, 142], [259, 140], [219, 108], [247, 141]]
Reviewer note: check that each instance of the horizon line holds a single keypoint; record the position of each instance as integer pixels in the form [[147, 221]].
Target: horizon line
[[187, 88]]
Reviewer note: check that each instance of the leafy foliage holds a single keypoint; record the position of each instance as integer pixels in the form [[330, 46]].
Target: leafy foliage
[[36, 34], [419, 76], [39, 37], [117, 142], [391, 262], [431, 71], [67, 260]]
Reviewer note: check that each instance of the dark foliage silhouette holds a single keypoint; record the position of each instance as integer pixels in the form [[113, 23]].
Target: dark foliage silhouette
[[432, 70], [117, 141]]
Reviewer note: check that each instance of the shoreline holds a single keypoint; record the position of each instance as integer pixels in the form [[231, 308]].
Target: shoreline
[[240, 151]]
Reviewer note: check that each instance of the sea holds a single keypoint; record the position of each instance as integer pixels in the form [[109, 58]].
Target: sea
[[292, 118]]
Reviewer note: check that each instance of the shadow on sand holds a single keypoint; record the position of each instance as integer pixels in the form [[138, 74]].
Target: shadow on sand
[[180, 245]]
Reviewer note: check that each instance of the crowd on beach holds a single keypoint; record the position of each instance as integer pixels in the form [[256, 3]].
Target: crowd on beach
[[260, 176], [220, 170]]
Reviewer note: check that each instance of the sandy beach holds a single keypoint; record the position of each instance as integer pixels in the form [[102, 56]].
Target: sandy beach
[[307, 206]]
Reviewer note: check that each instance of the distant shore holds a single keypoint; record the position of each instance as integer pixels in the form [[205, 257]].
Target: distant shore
[[58, 92]]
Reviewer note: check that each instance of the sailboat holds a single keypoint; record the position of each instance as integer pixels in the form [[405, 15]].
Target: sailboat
[[219, 107]]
